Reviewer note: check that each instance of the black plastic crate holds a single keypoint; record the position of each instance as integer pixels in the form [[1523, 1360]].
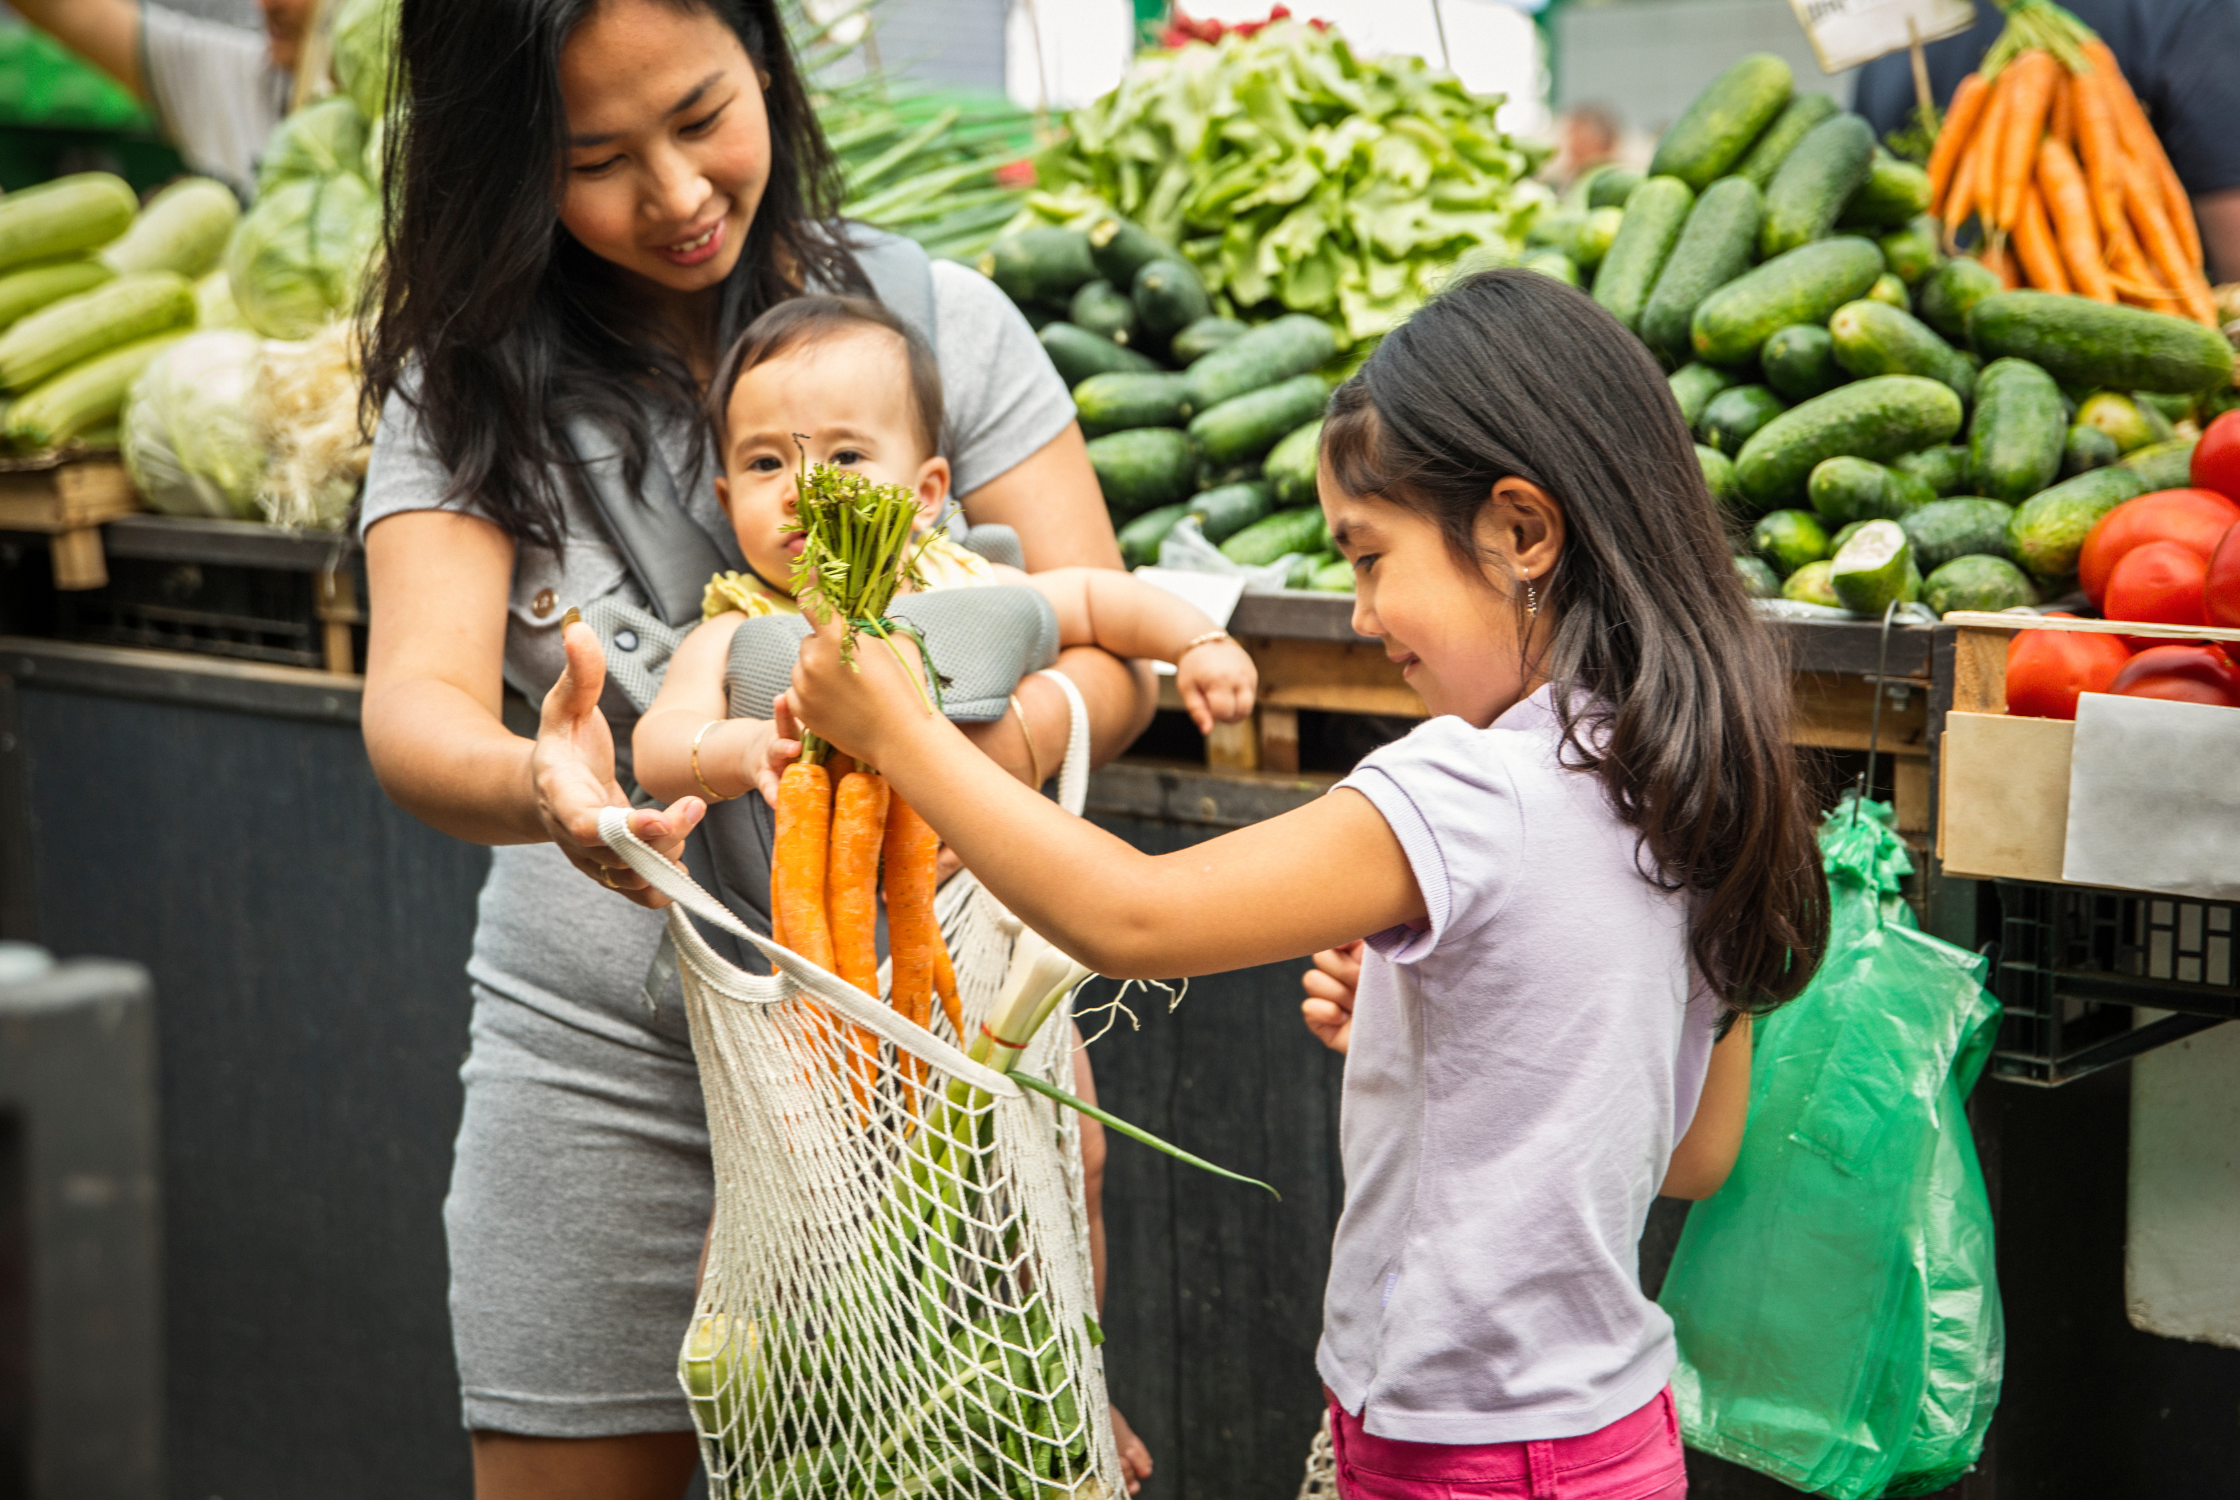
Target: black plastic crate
[[2075, 965], [213, 588]]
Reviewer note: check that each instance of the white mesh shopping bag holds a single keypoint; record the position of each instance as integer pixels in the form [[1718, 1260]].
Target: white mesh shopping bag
[[898, 1299]]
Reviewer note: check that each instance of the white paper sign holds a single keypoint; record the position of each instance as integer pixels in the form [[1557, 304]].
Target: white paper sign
[[1846, 33], [2153, 801]]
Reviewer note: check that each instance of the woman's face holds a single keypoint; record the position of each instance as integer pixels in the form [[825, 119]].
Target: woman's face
[[668, 144]]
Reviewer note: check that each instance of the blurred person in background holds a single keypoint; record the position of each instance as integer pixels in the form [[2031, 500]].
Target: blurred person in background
[[2182, 58], [1587, 135], [217, 90]]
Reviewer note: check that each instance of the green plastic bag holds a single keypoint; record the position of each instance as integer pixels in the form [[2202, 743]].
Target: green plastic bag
[[1837, 1303]]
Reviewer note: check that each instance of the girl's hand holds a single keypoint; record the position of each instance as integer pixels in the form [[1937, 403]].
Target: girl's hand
[[1135, 1459], [572, 773], [1217, 681], [857, 705], [1328, 1008]]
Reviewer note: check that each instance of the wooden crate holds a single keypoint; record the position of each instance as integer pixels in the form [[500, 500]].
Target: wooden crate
[[67, 496], [2003, 803]]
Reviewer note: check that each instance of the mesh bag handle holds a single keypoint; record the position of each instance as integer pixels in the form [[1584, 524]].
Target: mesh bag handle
[[796, 974]]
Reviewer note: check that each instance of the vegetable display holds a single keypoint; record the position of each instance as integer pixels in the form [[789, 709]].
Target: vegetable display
[[1293, 175], [2046, 149]]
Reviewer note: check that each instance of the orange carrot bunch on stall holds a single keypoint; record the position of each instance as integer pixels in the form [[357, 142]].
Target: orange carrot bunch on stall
[[2047, 149], [839, 823]]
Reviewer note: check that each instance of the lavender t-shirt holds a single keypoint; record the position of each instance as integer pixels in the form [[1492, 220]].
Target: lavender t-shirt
[[1519, 1070]]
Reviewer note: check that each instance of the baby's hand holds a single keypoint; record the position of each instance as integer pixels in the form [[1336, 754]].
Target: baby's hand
[[782, 749], [1216, 681]]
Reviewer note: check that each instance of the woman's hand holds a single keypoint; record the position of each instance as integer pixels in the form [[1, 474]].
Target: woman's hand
[[1135, 1459], [855, 706], [1328, 1008], [1217, 681], [571, 771]]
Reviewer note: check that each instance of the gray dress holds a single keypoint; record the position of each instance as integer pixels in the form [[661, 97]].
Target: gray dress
[[581, 1185]]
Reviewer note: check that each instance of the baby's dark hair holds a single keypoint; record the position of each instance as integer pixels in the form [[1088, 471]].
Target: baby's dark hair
[[799, 321], [1681, 695]]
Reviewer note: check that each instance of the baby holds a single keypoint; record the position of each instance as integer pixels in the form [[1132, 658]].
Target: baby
[[842, 381]]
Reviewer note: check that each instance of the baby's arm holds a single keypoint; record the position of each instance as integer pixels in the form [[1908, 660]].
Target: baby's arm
[[1129, 617], [734, 753]]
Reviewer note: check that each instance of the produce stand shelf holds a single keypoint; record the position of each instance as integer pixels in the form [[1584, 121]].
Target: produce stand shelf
[[226, 588], [66, 497], [1310, 660]]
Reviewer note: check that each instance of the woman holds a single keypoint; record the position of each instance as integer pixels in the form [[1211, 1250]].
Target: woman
[[595, 196]]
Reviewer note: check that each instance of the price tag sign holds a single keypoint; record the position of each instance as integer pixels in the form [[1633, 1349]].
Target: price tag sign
[[1846, 33]]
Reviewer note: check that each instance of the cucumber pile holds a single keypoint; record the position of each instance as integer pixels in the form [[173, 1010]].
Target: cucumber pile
[[1188, 413], [1880, 422]]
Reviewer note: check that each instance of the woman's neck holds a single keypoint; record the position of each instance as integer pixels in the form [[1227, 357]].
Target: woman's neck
[[684, 322]]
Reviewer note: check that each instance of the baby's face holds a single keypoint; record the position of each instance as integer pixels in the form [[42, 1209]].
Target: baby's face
[[844, 400]]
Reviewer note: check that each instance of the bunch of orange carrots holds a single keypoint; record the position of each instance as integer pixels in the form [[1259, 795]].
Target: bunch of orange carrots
[[838, 823], [2048, 150]]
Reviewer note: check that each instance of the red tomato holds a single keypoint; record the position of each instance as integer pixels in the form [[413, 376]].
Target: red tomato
[[2159, 583], [2181, 674], [2046, 669], [2216, 458], [2195, 518], [2221, 590]]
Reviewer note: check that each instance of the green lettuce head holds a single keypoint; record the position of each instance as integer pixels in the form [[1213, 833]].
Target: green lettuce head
[[318, 140], [365, 47], [189, 443], [300, 255]]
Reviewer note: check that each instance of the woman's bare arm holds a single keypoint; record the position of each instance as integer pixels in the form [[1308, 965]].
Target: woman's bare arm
[[1051, 499], [1705, 1155], [435, 655], [105, 33]]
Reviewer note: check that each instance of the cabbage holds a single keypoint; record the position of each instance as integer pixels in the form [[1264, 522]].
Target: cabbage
[[365, 43], [299, 255], [318, 140], [189, 442]]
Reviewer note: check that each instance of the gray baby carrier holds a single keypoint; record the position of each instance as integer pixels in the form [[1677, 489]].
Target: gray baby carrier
[[982, 640]]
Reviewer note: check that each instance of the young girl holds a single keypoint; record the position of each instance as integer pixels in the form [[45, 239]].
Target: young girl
[[1597, 847], [841, 380]]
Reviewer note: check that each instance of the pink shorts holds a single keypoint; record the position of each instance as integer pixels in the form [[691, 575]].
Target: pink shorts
[[1634, 1458]]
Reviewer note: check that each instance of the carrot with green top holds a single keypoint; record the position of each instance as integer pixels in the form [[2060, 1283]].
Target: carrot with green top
[[913, 933], [2035, 248], [1960, 120], [859, 819], [2069, 202], [2030, 79]]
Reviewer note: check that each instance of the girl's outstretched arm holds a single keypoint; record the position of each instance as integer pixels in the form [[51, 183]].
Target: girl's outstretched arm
[[1314, 878]]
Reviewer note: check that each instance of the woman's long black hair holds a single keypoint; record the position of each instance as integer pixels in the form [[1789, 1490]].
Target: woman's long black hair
[[510, 327], [1685, 709]]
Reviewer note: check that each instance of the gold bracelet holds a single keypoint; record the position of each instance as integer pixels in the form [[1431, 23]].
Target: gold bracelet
[[1034, 761], [1202, 640], [713, 794]]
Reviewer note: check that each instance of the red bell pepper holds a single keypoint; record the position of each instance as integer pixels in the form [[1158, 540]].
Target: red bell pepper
[[2216, 458], [2193, 518], [2220, 590], [2047, 669], [2180, 674], [2159, 583]]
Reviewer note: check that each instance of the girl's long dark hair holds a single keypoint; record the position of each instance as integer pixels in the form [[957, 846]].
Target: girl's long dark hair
[[1681, 694], [512, 328]]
